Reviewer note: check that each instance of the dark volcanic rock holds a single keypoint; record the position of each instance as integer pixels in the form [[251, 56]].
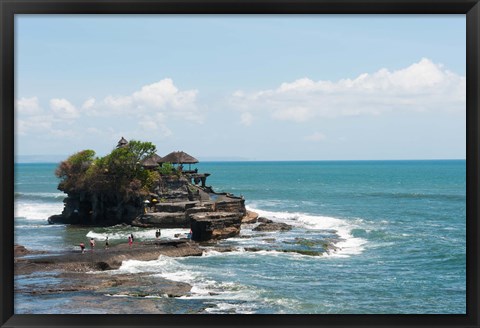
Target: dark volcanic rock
[[134, 285], [98, 209], [273, 226], [162, 220], [264, 220], [215, 225]]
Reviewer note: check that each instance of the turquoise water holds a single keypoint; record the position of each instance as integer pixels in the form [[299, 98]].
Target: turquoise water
[[399, 228]]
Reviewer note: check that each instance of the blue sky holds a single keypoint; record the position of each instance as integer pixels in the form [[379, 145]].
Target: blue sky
[[311, 87]]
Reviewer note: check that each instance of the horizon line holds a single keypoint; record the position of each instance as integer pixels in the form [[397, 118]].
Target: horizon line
[[283, 160]]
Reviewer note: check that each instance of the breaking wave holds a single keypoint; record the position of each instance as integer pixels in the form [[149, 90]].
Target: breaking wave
[[347, 245]]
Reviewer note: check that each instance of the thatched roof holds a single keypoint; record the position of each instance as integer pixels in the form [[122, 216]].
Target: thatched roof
[[152, 161], [122, 142], [157, 158], [149, 163], [179, 157]]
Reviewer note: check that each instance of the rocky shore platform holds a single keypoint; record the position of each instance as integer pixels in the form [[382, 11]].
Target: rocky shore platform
[[89, 279], [106, 259], [75, 271]]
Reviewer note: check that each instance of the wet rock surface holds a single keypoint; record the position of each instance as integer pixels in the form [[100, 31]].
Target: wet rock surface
[[273, 226], [135, 285], [19, 250], [107, 259], [71, 274]]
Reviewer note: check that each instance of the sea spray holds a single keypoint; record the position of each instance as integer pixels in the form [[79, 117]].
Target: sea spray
[[347, 243]]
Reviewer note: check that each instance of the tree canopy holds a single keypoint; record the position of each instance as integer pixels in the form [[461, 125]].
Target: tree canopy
[[119, 172]]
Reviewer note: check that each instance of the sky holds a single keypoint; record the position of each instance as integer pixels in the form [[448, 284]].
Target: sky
[[242, 87]]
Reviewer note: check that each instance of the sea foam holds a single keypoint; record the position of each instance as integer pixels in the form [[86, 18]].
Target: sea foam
[[204, 287], [347, 245], [144, 234], [37, 210]]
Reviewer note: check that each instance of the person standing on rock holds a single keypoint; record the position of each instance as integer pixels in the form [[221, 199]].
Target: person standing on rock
[[130, 241], [131, 235], [92, 243], [106, 243]]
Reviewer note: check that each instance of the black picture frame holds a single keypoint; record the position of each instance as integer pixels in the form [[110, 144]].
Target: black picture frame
[[9, 8]]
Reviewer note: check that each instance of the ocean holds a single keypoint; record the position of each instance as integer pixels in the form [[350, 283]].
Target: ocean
[[398, 226]]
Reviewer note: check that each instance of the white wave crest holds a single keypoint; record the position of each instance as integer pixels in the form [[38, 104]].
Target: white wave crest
[[203, 286], [242, 252], [348, 244], [41, 195], [144, 234], [231, 308], [37, 211]]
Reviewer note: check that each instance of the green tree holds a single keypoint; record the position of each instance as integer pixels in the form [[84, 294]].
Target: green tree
[[166, 169], [72, 171], [119, 172]]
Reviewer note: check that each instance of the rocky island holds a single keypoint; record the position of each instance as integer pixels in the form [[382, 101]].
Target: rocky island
[[133, 185]]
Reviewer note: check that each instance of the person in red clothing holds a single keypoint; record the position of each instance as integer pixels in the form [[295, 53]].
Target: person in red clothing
[[82, 247], [130, 241]]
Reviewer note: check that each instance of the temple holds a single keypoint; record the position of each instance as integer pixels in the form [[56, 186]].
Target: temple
[[178, 198]]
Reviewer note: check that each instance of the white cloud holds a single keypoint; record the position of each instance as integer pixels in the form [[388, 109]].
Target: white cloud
[[32, 119], [89, 103], [155, 124], [422, 86], [63, 109], [28, 106], [316, 137], [33, 124], [149, 109], [159, 97], [246, 118], [164, 94]]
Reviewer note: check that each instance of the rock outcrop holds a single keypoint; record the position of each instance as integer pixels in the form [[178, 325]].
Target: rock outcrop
[[98, 209], [215, 225], [177, 201], [273, 226], [209, 220], [110, 259], [250, 218], [101, 192], [163, 220]]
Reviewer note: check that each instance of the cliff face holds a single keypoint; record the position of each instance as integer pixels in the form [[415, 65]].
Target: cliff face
[[98, 209], [105, 209], [173, 203]]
